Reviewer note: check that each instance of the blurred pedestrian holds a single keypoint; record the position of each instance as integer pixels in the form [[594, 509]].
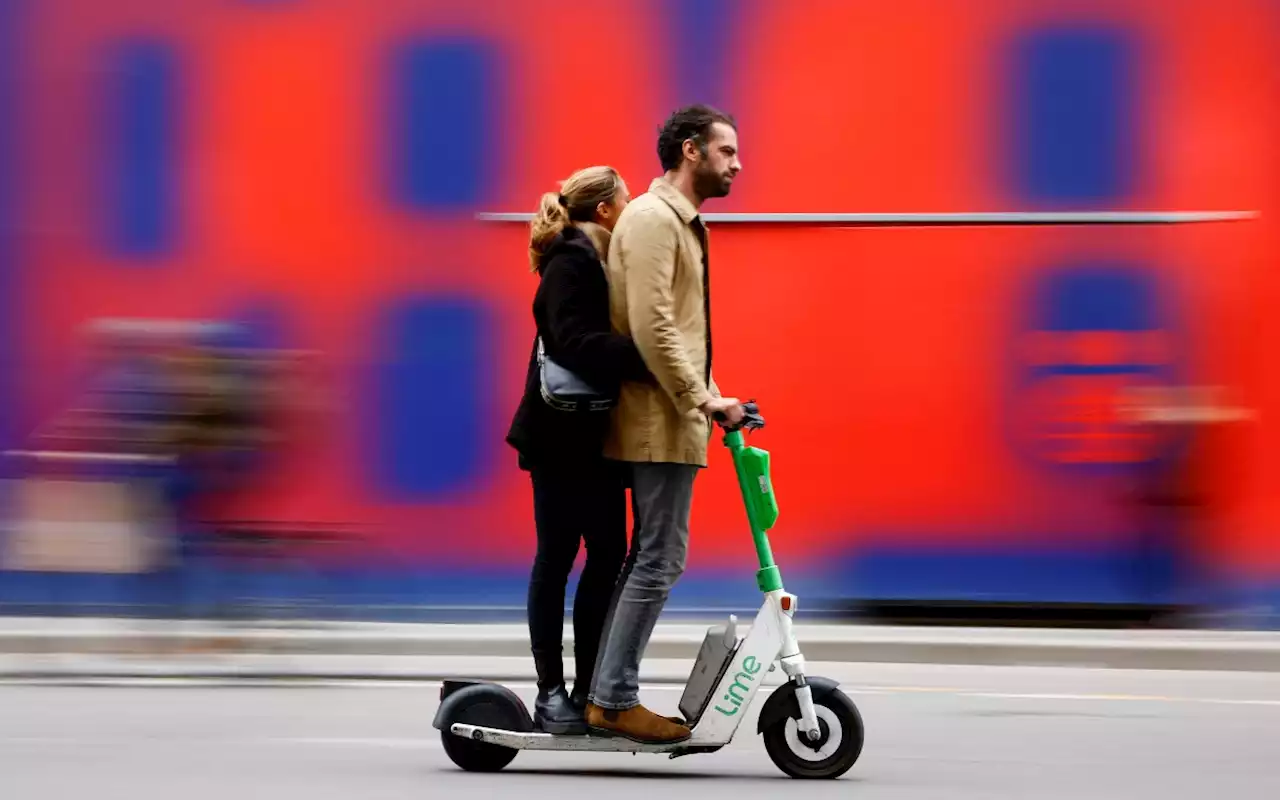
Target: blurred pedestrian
[[1184, 490]]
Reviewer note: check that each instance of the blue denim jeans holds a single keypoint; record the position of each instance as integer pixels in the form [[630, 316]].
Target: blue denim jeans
[[661, 499]]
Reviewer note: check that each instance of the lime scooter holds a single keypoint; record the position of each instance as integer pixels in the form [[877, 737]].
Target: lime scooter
[[811, 728]]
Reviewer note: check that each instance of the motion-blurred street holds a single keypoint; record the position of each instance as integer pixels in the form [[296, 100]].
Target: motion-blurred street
[[932, 732]]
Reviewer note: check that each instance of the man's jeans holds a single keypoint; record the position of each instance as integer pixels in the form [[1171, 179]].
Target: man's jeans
[[661, 497]]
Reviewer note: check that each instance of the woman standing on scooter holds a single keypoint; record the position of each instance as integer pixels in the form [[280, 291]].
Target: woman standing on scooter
[[577, 494]]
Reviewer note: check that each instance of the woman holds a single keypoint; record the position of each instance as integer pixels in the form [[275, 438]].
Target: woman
[[577, 494]]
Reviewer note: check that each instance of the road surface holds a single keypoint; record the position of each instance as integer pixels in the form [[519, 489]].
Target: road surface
[[934, 733]]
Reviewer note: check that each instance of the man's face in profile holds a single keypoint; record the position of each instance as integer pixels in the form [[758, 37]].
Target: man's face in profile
[[714, 173]]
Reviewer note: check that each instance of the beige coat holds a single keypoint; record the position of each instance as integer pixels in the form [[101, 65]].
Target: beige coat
[[656, 297]]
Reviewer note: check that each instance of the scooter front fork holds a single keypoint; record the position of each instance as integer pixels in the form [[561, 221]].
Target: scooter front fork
[[793, 665]]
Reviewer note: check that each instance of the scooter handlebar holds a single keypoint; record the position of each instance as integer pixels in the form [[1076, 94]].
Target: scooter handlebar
[[751, 420]]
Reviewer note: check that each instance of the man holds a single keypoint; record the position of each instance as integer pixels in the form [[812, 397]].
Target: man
[[659, 295]]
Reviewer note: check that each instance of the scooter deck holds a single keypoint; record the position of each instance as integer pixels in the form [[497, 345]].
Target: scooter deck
[[587, 742]]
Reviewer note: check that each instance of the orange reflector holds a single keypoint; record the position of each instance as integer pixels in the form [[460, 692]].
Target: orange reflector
[[786, 603]]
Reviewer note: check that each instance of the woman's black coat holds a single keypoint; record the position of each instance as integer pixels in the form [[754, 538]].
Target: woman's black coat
[[571, 313]]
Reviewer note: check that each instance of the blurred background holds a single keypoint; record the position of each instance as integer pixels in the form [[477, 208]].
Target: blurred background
[[258, 354]]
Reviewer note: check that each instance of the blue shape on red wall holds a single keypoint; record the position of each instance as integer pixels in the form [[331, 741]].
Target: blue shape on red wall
[[140, 155], [431, 398], [443, 123], [1074, 107]]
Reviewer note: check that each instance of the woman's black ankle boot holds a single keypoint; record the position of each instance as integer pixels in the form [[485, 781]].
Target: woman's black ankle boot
[[554, 712]]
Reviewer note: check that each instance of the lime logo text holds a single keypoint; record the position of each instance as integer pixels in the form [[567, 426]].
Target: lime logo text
[[742, 681]]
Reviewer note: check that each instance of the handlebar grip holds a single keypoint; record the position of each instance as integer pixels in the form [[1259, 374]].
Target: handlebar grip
[[751, 419]]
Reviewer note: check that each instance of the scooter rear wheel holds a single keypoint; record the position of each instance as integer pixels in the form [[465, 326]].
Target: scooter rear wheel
[[488, 708], [837, 747]]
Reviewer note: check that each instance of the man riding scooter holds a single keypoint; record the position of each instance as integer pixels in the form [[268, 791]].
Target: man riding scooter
[[660, 296]]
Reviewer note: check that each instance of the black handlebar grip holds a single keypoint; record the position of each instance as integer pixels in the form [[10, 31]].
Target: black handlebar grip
[[751, 419]]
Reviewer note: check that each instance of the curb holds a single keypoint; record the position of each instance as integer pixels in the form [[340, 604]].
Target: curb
[[142, 653]]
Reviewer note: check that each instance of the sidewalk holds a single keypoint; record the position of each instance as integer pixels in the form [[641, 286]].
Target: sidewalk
[[122, 648]]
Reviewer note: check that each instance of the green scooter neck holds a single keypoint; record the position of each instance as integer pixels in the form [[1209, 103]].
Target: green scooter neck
[[752, 466]]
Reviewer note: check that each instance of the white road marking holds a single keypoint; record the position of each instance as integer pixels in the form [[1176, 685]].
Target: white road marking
[[406, 744], [1121, 698], [528, 686], [73, 741]]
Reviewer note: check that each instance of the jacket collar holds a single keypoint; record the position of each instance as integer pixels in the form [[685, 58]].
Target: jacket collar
[[586, 236], [672, 196], [598, 235]]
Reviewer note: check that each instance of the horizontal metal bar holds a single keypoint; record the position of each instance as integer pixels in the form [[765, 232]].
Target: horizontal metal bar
[[956, 218], [158, 327], [72, 455]]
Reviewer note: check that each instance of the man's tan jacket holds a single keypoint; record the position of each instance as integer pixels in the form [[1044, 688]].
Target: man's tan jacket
[[656, 295]]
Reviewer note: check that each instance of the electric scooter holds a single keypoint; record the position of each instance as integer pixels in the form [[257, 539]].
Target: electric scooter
[[811, 729]]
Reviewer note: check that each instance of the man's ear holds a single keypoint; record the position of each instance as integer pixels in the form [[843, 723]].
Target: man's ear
[[691, 150]]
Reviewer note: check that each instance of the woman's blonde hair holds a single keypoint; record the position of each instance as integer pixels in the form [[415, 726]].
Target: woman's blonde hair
[[576, 202]]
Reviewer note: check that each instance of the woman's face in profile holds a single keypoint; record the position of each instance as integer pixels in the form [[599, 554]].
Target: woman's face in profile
[[608, 213]]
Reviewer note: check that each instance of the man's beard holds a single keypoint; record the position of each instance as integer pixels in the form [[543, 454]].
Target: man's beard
[[710, 184]]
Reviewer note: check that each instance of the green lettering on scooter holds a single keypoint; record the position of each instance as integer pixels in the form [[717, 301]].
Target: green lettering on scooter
[[733, 697]]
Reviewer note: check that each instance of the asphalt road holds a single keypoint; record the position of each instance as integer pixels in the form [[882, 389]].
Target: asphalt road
[[941, 733]]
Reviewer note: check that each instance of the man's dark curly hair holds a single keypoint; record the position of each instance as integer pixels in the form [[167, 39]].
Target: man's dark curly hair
[[691, 122]]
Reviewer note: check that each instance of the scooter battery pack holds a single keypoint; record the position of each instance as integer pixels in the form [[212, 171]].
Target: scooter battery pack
[[714, 657]]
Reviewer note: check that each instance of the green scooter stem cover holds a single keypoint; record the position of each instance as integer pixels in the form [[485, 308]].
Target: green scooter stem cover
[[753, 473], [752, 465]]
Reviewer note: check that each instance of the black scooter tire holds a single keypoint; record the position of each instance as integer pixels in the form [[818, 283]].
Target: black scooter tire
[[782, 748], [478, 705]]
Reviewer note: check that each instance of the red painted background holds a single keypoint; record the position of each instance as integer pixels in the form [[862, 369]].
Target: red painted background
[[881, 356]]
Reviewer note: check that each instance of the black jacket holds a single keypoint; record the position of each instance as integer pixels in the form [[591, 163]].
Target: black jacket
[[571, 314]]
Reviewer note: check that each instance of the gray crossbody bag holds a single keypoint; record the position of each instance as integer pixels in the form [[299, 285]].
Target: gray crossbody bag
[[565, 391]]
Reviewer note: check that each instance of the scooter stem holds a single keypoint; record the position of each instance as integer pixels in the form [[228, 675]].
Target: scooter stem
[[752, 466]]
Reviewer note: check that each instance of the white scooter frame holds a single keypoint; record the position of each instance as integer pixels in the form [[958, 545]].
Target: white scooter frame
[[810, 727], [770, 641]]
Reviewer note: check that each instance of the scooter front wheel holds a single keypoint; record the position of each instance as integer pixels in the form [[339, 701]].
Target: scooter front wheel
[[838, 745]]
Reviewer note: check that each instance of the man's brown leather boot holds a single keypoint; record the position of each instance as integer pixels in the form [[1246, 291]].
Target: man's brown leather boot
[[638, 724]]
